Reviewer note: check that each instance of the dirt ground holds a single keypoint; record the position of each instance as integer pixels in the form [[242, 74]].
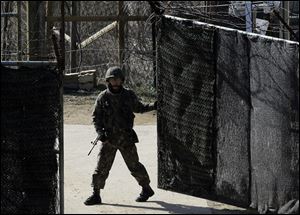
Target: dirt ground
[[78, 108]]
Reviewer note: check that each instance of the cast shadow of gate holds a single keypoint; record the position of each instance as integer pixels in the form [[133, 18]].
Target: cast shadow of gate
[[185, 209]]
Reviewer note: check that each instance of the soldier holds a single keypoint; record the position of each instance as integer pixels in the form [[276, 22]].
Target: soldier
[[113, 119]]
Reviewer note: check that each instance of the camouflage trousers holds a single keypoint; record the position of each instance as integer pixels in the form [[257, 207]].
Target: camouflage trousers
[[127, 147]]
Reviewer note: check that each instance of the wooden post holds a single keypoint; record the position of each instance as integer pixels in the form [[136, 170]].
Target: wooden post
[[121, 34], [98, 34], [62, 39], [248, 12], [254, 16], [61, 112], [205, 10], [283, 16], [286, 16], [57, 33], [19, 20], [96, 18], [282, 20], [74, 39], [36, 30], [49, 26], [153, 23], [4, 33]]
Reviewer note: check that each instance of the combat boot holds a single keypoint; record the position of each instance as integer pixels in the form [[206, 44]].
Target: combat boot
[[145, 194], [93, 199]]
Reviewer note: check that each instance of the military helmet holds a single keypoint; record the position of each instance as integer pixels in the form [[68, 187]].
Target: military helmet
[[114, 72]]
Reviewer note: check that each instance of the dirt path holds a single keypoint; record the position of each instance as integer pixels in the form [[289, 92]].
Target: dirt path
[[78, 110], [121, 188]]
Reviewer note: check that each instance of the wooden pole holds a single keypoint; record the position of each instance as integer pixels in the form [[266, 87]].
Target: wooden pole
[[19, 20], [57, 33], [153, 25], [121, 34], [32, 64], [62, 39], [281, 19], [74, 39], [96, 18], [36, 30], [254, 17], [249, 20], [98, 34], [61, 114], [49, 26], [90, 39], [4, 33], [286, 15]]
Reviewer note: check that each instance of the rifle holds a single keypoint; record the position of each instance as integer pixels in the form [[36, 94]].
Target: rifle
[[94, 143]]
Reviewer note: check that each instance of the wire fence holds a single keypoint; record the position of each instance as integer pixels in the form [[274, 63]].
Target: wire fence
[[139, 61], [104, 51]]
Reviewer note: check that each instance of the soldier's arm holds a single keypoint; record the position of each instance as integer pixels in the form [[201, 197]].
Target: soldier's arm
[[98, 116], [140, 107]]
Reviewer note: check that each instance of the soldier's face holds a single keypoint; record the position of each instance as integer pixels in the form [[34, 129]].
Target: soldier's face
[[116, 83]]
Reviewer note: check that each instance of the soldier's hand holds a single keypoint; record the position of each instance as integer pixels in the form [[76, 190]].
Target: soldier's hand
[[155, 105], [105, 142], [102, 136]]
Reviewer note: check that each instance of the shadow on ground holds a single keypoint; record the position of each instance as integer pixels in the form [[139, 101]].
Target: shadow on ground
[[172, 208], [184, 209]]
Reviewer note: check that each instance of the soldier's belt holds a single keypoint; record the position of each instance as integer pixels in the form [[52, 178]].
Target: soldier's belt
[[116, 130]]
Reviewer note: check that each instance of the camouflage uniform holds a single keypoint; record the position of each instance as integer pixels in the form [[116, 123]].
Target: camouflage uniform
[[113, 119]]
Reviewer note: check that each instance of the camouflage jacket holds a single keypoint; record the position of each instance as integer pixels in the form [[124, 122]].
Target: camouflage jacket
[[115, 112]]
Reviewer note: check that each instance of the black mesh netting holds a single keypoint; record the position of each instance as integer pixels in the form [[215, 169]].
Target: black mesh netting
[[228, 119], [186, 95], [232, 117], [274, 148], [29, 132]]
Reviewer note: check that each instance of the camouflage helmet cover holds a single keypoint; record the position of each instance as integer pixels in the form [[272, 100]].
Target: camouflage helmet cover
[[114, 72]]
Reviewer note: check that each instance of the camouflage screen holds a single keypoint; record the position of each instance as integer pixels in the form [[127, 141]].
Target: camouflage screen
[[30, 102], [228, 114]]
